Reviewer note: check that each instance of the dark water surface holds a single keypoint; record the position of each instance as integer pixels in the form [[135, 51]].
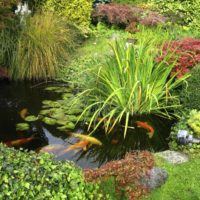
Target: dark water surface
[[16, 96]]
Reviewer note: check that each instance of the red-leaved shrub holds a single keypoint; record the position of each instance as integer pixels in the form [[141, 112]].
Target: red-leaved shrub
[[186, 53], [127, 173], [123, 15]]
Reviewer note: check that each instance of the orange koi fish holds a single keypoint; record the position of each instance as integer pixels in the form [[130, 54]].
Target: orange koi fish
[[23, 113], [146, 126], [18, 142], [114, 141], [79, 145], [50, 148]]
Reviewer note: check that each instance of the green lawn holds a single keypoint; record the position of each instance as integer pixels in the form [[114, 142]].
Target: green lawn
[[183, 182]]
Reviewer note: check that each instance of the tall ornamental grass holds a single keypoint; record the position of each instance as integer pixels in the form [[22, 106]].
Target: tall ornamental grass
[[44, 42], [131, 83]]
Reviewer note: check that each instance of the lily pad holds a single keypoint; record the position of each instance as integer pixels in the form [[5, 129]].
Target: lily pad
[[31, 118], [44, 112], [75, 111], [66, 96], [70, 125], [52, 88], [49, 121], [22, 127], [57, 114]]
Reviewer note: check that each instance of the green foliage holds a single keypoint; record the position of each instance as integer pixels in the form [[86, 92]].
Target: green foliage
[[194, 121], [131, 83], [8, 42], [189, 121], [44, 42], [190, 94], [182, 182], [31, 176], [183, 12], [77, 11], [6, 13]]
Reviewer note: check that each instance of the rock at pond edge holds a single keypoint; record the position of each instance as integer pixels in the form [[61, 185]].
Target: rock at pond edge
[[155, 178], [173, 157]]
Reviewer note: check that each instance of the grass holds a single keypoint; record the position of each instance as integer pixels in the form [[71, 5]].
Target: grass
[[44, 42], [182, 183]]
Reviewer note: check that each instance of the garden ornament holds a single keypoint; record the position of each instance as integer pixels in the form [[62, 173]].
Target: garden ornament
[[183, 137]]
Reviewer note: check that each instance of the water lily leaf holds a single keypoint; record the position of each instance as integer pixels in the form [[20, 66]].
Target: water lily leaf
[[52, 88], [57, 113], [66, 96], [75, 111], [44, 112], [69, 125], [72, 118], [22, 126], [49, 121], [31, 118]]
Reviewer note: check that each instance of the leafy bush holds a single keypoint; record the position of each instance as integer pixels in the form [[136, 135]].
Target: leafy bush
[[44, 41], [186, 54], [123, 15], [127, 173], [183, 12], [77, 11], [190, 94], [131, 83], [31, 176]]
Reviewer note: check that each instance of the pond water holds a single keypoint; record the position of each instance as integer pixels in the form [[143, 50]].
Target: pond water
[[14, 97]]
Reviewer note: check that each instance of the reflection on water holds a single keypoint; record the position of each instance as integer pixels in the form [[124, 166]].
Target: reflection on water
[[16, 96]]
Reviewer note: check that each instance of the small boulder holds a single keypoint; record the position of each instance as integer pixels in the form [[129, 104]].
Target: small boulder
[[155, 178], [173, 157]]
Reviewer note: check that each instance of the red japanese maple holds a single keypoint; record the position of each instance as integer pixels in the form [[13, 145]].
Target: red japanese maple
[[186, 53]]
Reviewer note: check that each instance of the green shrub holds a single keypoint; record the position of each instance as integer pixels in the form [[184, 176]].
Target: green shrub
[[183, 12], [190, 94], [31, 176], [44, 42], [131, 83], [77, 11]]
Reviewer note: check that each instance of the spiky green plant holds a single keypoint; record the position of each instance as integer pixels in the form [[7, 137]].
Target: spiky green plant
[[44, 41], [131, 83]]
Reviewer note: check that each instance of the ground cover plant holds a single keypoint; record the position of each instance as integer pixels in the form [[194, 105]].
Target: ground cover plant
[[126, 172], [31, 176]]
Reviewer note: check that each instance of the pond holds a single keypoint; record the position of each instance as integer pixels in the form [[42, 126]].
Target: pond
[[15, 97]]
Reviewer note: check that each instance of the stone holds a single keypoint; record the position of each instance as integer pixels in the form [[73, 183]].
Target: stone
[[155, 178], [173, 157]]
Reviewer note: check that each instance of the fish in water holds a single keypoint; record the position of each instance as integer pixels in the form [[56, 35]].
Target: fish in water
[[90, 139], [51, 148], [18, 142], [146, 126], [23, 113], [114, 141], [79, 145]]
